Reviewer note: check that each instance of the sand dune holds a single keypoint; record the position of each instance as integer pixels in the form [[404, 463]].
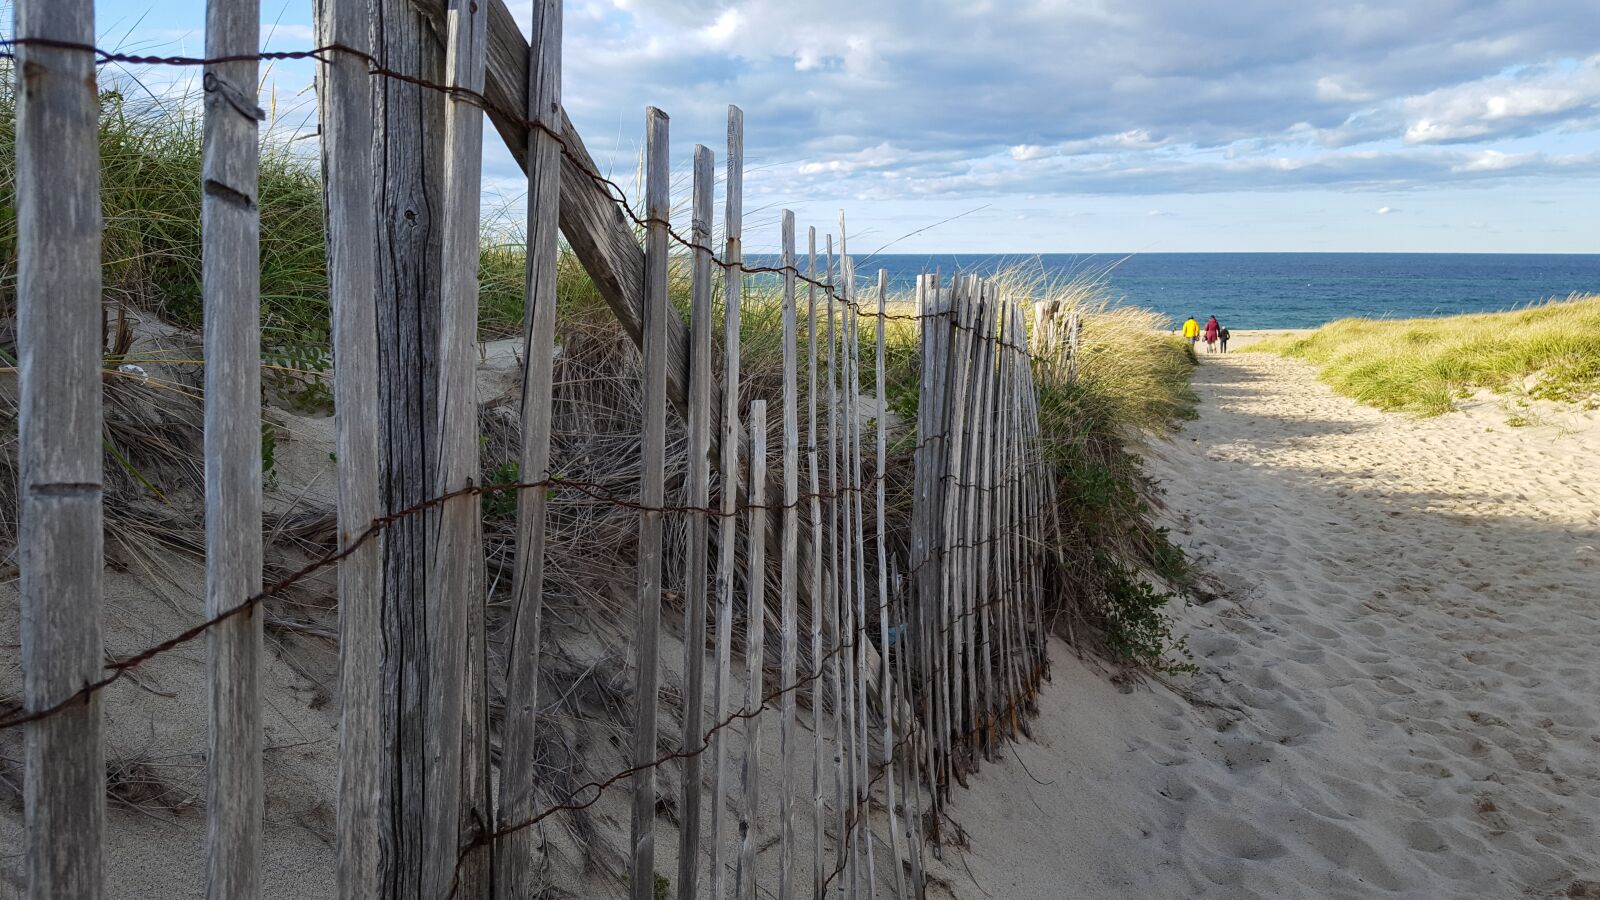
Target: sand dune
[[1399, 692]]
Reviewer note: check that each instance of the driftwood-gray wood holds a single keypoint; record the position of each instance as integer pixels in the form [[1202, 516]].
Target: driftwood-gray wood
[[885, 683], [60, 545], [514, 855], [420, 803], [866, 872], [722, 679], [697, 493], [345, 96], [345, 100], [818, 876], [754, 651], [832, 592], [789, 587], [456, 570], [230, 275], [652, 495]]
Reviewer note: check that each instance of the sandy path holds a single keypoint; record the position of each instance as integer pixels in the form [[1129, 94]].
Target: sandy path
[[1400, 688]]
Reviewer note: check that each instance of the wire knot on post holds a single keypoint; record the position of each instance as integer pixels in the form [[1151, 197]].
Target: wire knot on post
[[239, 100]]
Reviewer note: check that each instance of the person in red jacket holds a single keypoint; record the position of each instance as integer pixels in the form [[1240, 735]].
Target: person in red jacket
[[1213, 331]]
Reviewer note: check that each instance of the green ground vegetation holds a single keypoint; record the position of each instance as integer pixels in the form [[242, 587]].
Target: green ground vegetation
[[1424, 366]]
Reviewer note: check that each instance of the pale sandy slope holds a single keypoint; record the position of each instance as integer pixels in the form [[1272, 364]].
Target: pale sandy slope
[[1400, 688]]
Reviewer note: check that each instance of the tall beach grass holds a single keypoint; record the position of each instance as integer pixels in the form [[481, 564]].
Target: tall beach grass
[[1424, 366]]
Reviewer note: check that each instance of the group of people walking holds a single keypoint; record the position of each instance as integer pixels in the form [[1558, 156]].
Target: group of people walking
[[1213, 333]]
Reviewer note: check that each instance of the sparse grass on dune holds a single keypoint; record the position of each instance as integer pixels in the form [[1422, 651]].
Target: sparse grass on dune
[[1423, 366], [1132, 381]]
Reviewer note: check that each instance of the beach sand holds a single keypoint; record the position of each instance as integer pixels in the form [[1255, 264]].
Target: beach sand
[[1398, 673]]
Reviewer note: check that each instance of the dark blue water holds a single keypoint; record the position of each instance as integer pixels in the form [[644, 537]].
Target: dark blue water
[[1288, 290]]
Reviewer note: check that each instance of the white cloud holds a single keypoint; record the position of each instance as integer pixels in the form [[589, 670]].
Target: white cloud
[[1333, 90], [1504, 104], [1494, 161], [1386, 210]]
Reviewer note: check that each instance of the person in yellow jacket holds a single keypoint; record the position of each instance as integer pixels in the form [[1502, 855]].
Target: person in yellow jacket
[[1191, 330]]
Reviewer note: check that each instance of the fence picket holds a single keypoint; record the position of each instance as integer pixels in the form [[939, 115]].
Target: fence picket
[[754, 649], [722, 679], [231, 276], [789, 569], [697, 494], [881, 428], [514, 853], [345, 95], [859, 545], [818, 588], [60, 546], [652, 494]]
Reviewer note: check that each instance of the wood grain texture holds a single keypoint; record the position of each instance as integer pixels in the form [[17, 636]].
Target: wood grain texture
[[832, 591], [886, 682], [834, 598], [818, 803], [418, 843], [60, 551], [697, 493], [728, 497], [788, 586], [864, 661], [455, 572], [652, 495], [515, 853], [722, 679], [345, 97], [230, 277], [754, 651]]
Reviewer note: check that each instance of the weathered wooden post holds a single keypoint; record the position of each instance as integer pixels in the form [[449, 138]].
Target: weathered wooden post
[[652, 495], [60, 546], [230, 227], [422, 723], [722, 680], [887, 703], [456, 569], [514, 855], [698, 496], [789, 587], [345, 97], [754, 649]]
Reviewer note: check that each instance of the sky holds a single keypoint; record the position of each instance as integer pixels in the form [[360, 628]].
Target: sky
[[1071, 126]]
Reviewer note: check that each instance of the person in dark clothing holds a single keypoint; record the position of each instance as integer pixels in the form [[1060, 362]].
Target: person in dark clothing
[[1222, 336]]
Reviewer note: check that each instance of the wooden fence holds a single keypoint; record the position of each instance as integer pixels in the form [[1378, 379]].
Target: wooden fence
[[924, 650]]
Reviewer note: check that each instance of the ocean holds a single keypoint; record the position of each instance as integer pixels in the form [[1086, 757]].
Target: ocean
[[1287, 290]]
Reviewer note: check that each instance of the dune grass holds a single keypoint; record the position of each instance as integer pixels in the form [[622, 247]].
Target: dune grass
[[150, 199], [1121, 571], [1424, 366]]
